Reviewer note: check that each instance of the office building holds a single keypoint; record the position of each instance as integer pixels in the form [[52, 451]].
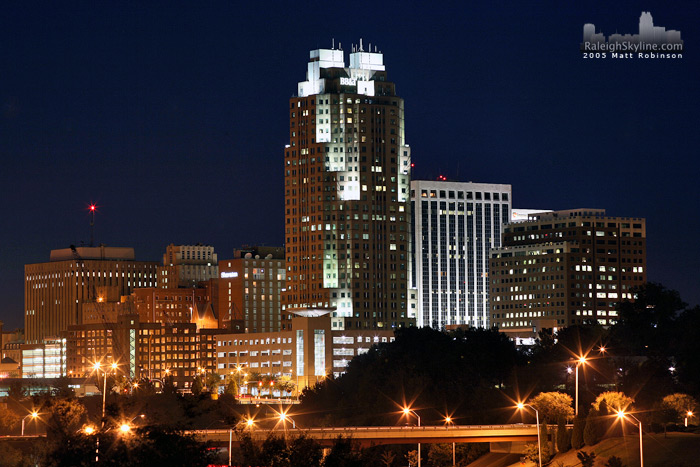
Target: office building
[[455, 225], [55, 292], [153, 351], [44, 360], [572, 267], [187, 266], [304, 354], [174, 305], [347, 175], [249, 289]]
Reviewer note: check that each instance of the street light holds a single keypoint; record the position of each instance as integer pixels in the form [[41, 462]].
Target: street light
[[581, 361], [688, 414], [407, 411], [33, 416], [284, 417], [97, 366], [448, 422], [521, 406], [621, 415]]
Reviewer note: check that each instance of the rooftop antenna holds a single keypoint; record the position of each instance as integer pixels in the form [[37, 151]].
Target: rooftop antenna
[[361, 45], [93, 208], [333, 46]]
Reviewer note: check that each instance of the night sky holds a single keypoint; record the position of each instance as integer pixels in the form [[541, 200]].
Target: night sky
[[172, 118]]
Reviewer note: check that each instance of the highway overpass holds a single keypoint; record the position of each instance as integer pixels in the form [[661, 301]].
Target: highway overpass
[[377, 435]]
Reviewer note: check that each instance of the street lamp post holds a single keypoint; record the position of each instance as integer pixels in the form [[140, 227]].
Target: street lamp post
[[521, 406], [33, 416], [687, 415], [407, 411], [579, 362], [448, 421], [621, 415], [97, 367]]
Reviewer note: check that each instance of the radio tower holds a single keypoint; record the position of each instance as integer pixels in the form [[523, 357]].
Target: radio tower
[[93, 208]]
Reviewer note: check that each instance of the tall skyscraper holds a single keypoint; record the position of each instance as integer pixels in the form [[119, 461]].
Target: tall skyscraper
[[455, 225], [566, 267], [347, 175]]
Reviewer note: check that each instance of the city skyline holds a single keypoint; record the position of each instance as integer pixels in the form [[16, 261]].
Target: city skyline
[[173, 121]]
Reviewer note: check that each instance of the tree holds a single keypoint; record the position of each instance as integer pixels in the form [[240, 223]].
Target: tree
[[412, 458], [680, 404], [197, 385], [440, 455], [212, 382], [305, 451], [614, 401], [552, 406], [532, 450], [285, 385], [590, 431], [63, 418], [388, 457], [587, 460], [614, 461], [577, 433], [563, 436], [343, 454], [231, 388], [8, 420], [16, 391], [274, 452]]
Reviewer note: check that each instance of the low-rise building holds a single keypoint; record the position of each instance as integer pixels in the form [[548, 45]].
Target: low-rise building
[[308, 352]]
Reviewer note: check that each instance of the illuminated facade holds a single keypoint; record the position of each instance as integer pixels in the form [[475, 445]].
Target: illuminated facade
[[454, 227], [55, 292], [250, 288], [187, 266], [181, 305], [45, 360], [569, 266], [304, 354], [153, 351], [347, 175]]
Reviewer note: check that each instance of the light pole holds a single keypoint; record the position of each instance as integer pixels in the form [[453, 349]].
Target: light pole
[[283, 419], [688, 414], [97, 366], [33, 416], [579, 362], [407, 411], [621, 415], [521, 406], [448, 422]]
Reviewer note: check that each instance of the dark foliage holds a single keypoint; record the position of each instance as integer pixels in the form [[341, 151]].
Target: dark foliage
[[378, 383]]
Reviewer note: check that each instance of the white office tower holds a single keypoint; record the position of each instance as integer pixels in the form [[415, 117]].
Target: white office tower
[[454, 225]]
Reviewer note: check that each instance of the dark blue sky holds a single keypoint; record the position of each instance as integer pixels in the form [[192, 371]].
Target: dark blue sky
[[172, 117]]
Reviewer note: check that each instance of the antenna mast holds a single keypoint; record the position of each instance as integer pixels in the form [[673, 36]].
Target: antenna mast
[[93, 208]]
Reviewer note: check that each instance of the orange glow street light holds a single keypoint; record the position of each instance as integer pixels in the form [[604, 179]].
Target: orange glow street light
[[32, 415], [580, 361], [521, 406], [407, 411], [621, 415]]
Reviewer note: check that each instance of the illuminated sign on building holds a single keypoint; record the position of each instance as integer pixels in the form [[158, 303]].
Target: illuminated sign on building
[[228, 275]]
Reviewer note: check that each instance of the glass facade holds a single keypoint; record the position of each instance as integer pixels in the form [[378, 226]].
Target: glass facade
[[319, 352], [455, 226]]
